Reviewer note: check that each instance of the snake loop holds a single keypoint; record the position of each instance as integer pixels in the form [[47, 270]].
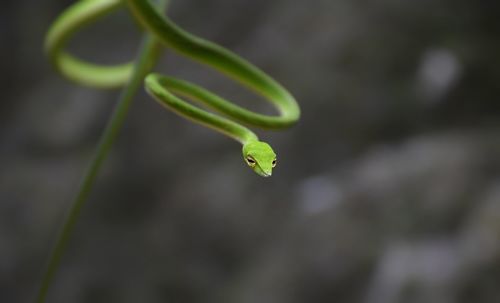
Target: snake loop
[[257, 154]]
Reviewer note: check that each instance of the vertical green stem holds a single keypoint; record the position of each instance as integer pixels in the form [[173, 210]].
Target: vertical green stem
[[147, 56]]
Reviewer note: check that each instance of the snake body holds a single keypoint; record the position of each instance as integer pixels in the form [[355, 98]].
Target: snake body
[[168, 90]]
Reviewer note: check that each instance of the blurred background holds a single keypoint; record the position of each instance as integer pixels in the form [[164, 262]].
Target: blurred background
[[388, 190]]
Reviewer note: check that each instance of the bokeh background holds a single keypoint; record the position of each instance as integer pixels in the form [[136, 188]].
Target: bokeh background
[[388, 190]]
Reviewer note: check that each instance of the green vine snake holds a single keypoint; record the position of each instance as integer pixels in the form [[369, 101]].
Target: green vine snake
[[168, 90]]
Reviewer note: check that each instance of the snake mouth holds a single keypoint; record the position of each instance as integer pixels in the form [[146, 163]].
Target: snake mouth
[[261, 172], [264, 174]]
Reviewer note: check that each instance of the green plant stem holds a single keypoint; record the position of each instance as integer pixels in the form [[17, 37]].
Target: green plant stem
[[146, 59]]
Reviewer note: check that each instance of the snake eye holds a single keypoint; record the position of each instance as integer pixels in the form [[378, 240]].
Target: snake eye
[[250, 161], [274, 163]]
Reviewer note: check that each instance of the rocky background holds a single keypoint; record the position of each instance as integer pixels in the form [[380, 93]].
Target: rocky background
[[388, 190]]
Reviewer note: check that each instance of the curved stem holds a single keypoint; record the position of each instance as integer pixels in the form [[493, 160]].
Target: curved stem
[[145, 61]]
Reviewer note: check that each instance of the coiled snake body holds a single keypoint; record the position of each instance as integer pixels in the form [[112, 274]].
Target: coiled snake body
[[257, 154]]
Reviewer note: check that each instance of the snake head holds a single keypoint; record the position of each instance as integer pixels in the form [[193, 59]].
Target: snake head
[[260, 157]]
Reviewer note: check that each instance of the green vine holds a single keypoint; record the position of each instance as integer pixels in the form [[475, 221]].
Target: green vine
[[146, 59]]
